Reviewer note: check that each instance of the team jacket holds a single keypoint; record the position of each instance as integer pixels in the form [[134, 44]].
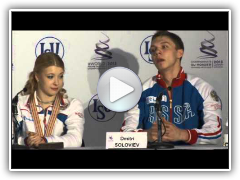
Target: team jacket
[[194, 106], [69, 125]]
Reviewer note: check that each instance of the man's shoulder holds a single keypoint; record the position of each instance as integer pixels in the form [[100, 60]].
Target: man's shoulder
[[203, 87], [197, 81], [149, 83]]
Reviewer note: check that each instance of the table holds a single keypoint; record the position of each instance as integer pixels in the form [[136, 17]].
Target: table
[[186, 147]]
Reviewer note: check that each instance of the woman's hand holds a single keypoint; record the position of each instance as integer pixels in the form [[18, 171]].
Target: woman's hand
[[34, 139]]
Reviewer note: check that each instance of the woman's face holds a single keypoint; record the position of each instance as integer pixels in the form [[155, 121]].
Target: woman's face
[[50, 80]]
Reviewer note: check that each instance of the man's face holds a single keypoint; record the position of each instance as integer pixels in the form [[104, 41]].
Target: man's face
[[164, 54], [50, 80]]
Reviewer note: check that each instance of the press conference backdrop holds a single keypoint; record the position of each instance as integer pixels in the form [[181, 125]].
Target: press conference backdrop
[[88, 54]]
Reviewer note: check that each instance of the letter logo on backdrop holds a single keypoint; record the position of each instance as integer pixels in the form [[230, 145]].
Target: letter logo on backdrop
[[144, 49], [49, 44], [99, 112]]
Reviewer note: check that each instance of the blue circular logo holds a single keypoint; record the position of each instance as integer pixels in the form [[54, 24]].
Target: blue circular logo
[[49, 44], [144, 49], [98, 112]]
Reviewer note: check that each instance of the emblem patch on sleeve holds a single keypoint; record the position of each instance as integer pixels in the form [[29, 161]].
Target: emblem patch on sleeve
[[79, 114], [214, 96]]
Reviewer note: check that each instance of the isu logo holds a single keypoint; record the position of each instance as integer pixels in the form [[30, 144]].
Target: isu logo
[[144, 49], [99, 112], [49, 44]]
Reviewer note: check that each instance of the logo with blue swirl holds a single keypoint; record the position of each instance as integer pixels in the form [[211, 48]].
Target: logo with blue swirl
[[207, 48], [102, 49]]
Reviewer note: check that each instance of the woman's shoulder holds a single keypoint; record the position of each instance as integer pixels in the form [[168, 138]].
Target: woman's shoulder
[[71, 103], [23, 99]]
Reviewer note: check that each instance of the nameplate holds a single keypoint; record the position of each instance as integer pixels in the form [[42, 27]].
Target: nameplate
[[116, 140]]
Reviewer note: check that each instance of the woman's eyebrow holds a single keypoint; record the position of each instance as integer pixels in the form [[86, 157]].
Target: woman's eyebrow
[[54, 73]]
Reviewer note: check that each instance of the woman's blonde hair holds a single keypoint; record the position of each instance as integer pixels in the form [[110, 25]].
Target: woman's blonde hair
[[43, 61]]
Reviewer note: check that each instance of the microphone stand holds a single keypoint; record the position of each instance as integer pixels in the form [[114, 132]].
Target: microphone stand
[[159, 144]]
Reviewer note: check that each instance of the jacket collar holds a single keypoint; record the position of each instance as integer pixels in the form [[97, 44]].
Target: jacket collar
[[178, 81], [63, 102]]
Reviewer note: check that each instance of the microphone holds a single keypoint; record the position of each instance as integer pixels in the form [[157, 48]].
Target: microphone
[[158, 108]]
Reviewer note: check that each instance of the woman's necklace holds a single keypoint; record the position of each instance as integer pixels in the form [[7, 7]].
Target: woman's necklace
[[48, 102]]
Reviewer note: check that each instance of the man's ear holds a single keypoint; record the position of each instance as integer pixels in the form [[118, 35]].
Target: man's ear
[[180, 53]]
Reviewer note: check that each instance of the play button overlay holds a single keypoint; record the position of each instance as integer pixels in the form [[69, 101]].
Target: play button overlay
[[119, 89]]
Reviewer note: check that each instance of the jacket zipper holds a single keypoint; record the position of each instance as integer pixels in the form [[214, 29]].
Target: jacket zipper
[[170, 102]]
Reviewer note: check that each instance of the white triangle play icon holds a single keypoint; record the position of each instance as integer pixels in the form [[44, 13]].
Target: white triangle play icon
[[118, 89]]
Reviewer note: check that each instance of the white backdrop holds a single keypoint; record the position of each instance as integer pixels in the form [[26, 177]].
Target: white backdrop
[[127, 49]]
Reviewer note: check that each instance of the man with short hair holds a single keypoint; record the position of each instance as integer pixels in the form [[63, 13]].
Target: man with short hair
[[191, 109]]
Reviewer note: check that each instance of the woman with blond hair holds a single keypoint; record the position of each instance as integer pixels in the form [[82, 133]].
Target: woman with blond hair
[[45, 112]]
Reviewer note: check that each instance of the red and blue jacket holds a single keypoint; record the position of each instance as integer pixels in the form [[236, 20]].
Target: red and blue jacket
[[192, 105]]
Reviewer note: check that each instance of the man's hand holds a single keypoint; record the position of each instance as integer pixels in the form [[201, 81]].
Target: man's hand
[[173, 133], [34, 139], [152, 132]]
